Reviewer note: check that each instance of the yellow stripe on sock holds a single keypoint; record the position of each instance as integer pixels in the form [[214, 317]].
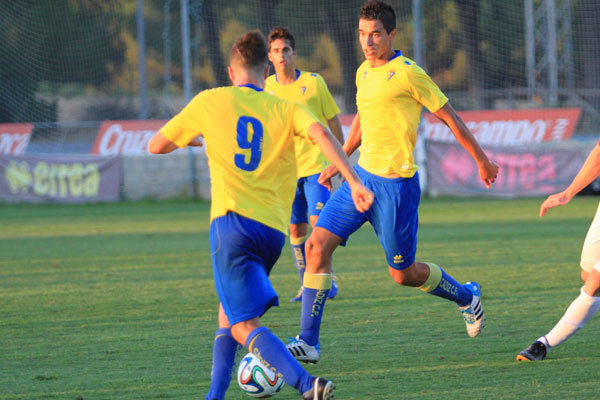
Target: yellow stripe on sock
[[251, 344], [434, 279], [317, 281], [298, 241]]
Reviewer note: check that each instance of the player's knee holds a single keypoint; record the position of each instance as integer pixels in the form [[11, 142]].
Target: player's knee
[[584, 275], [315, 255]]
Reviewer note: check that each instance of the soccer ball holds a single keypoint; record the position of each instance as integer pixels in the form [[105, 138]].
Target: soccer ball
[[257, 380]]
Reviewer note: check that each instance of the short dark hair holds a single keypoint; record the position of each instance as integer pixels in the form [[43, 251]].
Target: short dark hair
[[379, 11], [280, 32], [250, 51]]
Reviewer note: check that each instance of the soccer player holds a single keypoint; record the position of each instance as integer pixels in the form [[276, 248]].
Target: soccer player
[[309, 89], [585, 306], [250, 148], [391, 91]]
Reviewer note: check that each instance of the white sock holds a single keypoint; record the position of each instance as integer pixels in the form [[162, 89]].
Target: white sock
[[581, 310]]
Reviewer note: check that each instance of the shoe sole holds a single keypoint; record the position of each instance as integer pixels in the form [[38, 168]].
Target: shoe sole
[[522, 358]]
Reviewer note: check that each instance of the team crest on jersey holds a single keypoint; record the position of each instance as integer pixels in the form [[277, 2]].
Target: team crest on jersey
[[303, 88], [364, 75], [390, 74]]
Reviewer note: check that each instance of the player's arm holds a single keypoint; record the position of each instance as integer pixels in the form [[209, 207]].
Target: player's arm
[[335, 126], [354, 137], [351, 144], [487, 170], [159, 144], [586, 175], [363, 197]]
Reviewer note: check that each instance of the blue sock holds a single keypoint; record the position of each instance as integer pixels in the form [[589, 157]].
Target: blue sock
[[224, 350], [316, 289], [440, 284], [299, 254], [273, 354]]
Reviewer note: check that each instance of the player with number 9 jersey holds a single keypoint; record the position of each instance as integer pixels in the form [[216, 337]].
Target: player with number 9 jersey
[[250, 149]]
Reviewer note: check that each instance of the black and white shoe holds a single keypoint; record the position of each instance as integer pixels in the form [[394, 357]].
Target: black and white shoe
[[536, 352], [473, 313]]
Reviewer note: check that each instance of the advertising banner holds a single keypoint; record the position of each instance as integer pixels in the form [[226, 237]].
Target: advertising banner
[[508, 127], [65, 179], [14, 138], [125, 137], [534, 171], [128, 138]]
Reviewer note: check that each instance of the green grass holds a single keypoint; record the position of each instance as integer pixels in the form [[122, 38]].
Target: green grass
[[116, 301]]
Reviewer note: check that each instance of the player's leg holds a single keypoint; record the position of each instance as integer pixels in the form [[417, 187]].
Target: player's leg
[[579, 312], [583, 308], [299, 233], [224, 349], [337, 221], [395, 220], [244, 252], [271, 351], [432, 279], [316, 197]]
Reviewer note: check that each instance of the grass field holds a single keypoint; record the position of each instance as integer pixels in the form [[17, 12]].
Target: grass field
[[116, 301]]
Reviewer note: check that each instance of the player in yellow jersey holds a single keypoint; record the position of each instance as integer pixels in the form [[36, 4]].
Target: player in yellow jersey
[[391, 92], [249, 143], [309, 89]]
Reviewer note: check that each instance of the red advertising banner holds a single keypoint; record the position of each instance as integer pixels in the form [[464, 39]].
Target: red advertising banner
[[509, 127], [14, 138], [532, 171], [125, 137], [61, 178]]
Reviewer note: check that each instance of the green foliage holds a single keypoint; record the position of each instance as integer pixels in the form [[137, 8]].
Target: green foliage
[[116, 301]]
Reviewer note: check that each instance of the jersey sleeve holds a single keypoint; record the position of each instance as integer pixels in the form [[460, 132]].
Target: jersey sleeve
[[424, 90], [186, 125], [330, 108]]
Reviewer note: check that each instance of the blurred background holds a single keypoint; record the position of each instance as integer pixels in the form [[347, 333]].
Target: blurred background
[[68, 66]]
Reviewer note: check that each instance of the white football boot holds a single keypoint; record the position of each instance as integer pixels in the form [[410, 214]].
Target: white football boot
[[473, 313], [302, 351]]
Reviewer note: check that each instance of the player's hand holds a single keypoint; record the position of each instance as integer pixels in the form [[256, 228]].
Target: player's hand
[[558, 199], [362, 197], [488, 173], [327, 174], [196, 142]]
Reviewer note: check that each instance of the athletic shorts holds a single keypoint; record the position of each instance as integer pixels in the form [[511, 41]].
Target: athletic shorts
[[590, 254], [243, 254], [393, 215], [311, 196]]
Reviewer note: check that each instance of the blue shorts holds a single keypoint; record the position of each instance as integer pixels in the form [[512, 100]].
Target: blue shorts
[[311, 196], [243, 254], [393, 215]]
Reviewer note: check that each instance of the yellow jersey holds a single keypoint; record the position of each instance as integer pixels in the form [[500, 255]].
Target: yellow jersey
[[249, 138], [310, 90], [389, 99]]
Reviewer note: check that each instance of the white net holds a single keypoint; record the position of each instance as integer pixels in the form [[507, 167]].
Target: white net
[[79, 60]]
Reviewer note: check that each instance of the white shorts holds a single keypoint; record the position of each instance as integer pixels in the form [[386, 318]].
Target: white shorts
[[590, 255]]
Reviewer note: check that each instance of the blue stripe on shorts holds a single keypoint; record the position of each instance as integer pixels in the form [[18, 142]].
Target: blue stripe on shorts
[[393, 215], [243, 253]]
